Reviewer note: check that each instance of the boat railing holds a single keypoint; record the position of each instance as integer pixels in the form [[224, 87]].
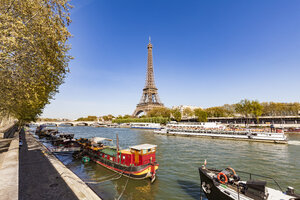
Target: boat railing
[[251, 174]]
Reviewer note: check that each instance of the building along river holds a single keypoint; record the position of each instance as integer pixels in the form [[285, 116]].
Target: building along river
[[179, 159]]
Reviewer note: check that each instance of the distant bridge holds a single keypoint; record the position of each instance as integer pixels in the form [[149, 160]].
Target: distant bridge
[[71, 123]]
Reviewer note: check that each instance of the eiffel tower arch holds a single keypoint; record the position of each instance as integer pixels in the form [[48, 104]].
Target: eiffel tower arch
[[150, 98]]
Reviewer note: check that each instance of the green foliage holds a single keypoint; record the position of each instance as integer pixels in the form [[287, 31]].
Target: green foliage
[[126, 116], [176, 114], [108, 117], [216, 112], [256, 109], [47, 119], [283, 109], [123, 117], [89, 118], [187, 112], [33, 55], [161, 120], [201, 115], [159, 112], [243, 107]]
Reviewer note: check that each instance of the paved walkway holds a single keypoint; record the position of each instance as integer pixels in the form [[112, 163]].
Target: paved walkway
[[43, 176], [9, 168], [38, 179]]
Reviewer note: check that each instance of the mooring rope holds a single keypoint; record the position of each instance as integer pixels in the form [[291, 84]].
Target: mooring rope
[[101, 180], [98, 182], [124, 187]]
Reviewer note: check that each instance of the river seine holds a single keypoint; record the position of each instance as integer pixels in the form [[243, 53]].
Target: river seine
[[179, 159]]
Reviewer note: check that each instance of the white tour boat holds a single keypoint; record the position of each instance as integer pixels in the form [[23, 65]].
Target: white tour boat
[[145, 125], [217, 130]]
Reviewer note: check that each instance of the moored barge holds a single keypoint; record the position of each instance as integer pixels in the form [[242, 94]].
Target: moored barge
[[137, 162]]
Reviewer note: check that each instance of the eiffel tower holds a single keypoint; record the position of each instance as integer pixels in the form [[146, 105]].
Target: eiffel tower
[[150, 98]]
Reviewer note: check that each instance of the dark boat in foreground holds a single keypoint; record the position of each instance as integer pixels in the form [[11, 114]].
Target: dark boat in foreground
[[226, 185], [137, 162]]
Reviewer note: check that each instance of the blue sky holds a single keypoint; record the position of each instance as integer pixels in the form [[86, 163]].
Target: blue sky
[[205, 53]]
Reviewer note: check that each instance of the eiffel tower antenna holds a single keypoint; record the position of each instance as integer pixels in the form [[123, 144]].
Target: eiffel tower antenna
[[150, 98]]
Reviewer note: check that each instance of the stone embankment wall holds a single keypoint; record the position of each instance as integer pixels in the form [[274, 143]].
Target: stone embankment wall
[[7, 127]]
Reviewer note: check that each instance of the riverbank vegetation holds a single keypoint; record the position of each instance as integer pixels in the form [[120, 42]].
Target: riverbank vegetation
[[89, 118], [161, 120], [244, 108], [34, 55]]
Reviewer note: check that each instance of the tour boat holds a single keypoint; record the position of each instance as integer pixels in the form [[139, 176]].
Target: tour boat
[[145, 125], [137, 162], [226, 185], [223, 133]]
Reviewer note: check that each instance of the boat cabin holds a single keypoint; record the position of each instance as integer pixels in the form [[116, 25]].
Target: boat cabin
[[66, 135], [142, 154]]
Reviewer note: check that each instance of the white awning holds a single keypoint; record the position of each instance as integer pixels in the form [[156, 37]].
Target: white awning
[[143, 146], [99, 139]]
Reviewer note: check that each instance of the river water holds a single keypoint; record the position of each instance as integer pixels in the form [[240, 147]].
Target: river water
[[179, 159]]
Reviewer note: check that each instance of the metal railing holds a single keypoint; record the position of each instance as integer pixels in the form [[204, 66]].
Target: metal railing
[[251, 174]]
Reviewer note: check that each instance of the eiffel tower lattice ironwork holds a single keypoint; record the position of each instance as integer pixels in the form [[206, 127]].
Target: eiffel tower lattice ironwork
[[150, 98]]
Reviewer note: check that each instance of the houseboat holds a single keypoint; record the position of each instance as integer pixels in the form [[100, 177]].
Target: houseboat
[[136, 162], [64, 139], [42, 132], [227, 185], [145, 125], [216, 131]]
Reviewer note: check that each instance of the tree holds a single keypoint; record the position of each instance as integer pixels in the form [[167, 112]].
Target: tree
[[89, 118], [108, 117], [33, 55], [176, 114], [127, 116], [201, 115], [159, 112], [187, 112], [216, 112], [256, 109], [243, 107]]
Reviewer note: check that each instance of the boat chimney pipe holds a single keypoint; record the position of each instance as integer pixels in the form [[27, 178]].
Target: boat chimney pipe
[[290, 191]]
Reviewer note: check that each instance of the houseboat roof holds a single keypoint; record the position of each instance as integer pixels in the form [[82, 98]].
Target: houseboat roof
[[125, 151], [64, 134], [110, 151], [143, 146]]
